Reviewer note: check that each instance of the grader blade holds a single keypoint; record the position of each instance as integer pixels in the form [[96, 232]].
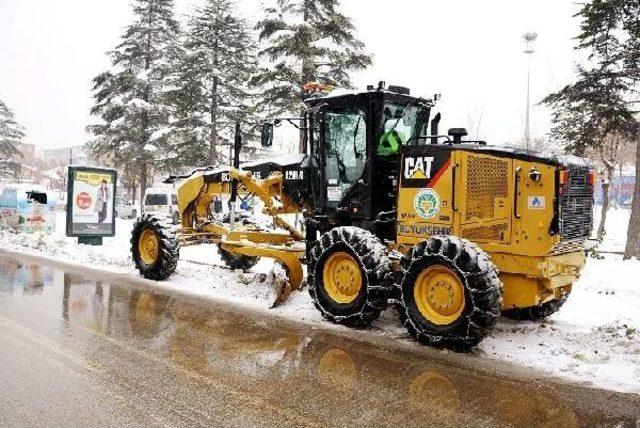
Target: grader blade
[[282, 285]]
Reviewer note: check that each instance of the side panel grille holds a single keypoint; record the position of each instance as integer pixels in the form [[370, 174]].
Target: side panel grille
[[487, 180], [492, 233], [576, 205]]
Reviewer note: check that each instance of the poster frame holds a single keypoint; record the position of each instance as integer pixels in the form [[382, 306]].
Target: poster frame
[[70, 205]]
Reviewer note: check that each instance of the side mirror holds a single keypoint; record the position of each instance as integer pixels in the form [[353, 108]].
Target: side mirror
[[267, 134]]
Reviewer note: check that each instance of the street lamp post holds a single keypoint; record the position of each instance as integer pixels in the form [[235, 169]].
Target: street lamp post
[[529, 39]]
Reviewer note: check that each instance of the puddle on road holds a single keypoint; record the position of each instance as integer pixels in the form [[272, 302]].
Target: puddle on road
[[334, 379]]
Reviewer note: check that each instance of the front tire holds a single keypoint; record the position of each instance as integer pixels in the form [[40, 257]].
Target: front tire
[[154, 248], [450, 294], [350, 276]]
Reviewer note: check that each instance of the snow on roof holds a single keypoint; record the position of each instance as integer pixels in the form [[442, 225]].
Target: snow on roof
[[287, 159]]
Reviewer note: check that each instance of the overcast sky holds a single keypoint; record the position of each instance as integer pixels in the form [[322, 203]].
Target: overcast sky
[[469, 51]]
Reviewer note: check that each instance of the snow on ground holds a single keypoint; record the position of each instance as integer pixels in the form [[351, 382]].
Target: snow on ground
[[594, 338]]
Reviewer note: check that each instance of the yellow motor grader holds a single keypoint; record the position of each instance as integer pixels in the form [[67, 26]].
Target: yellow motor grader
[[451, 232]]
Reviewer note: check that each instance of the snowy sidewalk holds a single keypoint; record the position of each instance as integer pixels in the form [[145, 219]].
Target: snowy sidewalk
[[594, 338]]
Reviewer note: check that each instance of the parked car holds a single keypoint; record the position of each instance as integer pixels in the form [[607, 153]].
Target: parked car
[[125, 209], [162, 201]]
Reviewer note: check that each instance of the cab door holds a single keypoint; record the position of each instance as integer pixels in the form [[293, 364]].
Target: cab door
[[345, 148]]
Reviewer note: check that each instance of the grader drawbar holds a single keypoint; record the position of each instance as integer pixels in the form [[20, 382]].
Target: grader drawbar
[[452, 233]]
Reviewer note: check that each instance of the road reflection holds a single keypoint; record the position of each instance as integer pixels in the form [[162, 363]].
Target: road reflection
[[312, 372]]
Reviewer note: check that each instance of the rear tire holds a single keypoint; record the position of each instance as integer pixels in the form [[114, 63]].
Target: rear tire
[[362, 276], [450, 294], [154, 247], [535, 313], [237, 261]]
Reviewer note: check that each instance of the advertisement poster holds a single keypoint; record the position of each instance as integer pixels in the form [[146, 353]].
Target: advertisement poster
[[36, 215], [8, 209], [25, 210], [91, 202]]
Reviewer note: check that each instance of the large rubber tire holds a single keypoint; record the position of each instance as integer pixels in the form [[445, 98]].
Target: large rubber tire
[[168, 247], [376, 273], [539, 312], [237, 261], [478, 277]]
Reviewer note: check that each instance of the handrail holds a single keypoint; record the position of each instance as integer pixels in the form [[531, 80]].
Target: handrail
[[454, 168], [515, 192]]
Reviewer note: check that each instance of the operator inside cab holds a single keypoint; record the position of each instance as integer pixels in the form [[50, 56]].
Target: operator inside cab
[[396, 129]]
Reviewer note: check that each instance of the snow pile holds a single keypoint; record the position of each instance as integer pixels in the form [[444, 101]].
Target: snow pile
[[595, 337], [114, 254]]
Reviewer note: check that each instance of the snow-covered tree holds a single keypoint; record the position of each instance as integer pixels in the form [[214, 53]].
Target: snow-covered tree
[[210, 83], [305, 41], [11, 134], [130, 98], [599, 112], [593, 116]]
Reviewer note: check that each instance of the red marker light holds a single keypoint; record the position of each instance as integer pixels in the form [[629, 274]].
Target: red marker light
[[564, 177], [592, 178]]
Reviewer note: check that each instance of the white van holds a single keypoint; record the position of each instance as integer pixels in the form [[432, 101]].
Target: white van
[[162, 201]]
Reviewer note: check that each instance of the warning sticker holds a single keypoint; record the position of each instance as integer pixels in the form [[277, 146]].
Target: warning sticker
[[334, 193], [536, 202]]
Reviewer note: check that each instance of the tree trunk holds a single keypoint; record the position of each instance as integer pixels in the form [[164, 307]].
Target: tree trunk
[[308, 75], [213, 142], [143, 183], [132, 189], [606, 185], [633, 232]]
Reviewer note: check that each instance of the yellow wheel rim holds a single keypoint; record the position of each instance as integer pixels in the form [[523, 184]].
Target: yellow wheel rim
[[342, 277], [148, 246], [439, 295]]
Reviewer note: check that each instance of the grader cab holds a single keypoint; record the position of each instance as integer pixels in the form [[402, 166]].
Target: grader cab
[[451, 232]]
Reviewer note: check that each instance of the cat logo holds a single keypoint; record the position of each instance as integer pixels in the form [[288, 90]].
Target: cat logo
[[418, 168]]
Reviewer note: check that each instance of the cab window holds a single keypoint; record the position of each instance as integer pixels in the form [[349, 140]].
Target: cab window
[[401, 124]]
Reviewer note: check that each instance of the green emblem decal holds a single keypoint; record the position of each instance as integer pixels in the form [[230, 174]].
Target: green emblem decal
[[427, 203]]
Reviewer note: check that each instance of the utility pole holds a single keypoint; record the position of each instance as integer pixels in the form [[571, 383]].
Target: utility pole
[[529, 39]]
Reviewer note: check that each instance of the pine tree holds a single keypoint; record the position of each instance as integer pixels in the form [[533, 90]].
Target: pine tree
[[210, 83], [305, 41], [130, 98], [630, 11], [593, 115], [11, 133]]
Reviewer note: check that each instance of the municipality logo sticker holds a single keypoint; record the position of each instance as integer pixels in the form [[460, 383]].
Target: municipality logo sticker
[[427, 203]]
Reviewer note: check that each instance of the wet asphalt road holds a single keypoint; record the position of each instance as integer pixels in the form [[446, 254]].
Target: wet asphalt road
[[77, 351]]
